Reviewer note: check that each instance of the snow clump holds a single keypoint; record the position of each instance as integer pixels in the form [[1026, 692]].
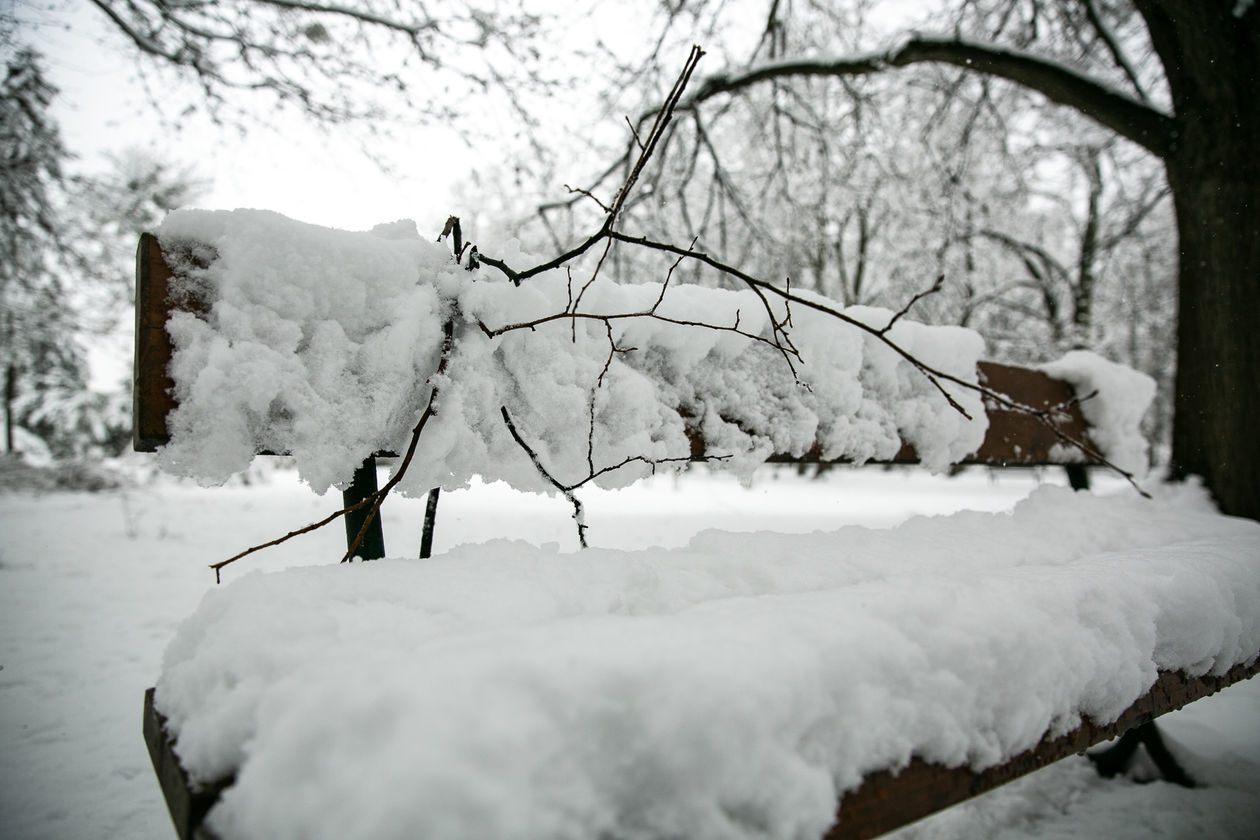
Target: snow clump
[[1113, 400], [326, 344]]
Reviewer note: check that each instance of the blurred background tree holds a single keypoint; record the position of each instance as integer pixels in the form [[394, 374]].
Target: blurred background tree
[[69, 236], [1080, 171], [38, 327], [65, 244]]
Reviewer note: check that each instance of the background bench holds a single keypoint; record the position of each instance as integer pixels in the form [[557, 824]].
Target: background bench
[[1013, 438]]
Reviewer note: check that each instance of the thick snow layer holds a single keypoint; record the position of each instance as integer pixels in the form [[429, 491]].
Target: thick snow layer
[[314, 345], [326, 343], [726, 689], [1120, 397], [86, 611]]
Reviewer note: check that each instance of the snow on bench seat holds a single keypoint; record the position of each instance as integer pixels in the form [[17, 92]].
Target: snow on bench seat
[[735, 688]]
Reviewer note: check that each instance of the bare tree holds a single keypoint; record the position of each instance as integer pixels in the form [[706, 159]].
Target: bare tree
[[65, 244], [1177, 81], [371, 62], [36, 323], [1077, 199]]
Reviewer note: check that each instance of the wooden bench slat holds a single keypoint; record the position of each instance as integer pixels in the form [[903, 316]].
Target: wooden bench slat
[[151, 387], [187, 803], [1013, 438], [888, 800], [885, 801]]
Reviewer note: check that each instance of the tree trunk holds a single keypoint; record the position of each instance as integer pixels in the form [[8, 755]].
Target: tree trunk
[[1217, 403], [1212, 61], [1087, 258]]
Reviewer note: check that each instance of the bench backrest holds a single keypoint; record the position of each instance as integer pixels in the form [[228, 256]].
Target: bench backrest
[[1013, 438]]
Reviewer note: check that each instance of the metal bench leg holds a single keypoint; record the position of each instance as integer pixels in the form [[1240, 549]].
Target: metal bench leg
[[430, 522], [1078, 476], [1117, 759], [364, 485]]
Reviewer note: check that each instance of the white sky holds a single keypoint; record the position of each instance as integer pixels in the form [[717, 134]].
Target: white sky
[[296, 170]]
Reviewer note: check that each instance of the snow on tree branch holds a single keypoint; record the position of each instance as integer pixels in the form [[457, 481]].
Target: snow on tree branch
[[1058, 82], [328, 60]]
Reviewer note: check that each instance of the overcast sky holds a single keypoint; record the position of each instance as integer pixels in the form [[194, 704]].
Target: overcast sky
[[296, 170]]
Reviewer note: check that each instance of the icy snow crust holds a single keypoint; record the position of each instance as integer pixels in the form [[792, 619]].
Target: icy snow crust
[[728, 689], [325, 343]]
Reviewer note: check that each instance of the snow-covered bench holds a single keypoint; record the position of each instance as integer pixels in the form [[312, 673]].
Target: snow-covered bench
[[1013, 438], [745, 686]]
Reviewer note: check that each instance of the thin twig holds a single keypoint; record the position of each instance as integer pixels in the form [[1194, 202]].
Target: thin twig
[[448, 336], [494, 332], [567, 489], [634, 132], [613, 350], [590, 195], [936, 287], [305, 530], [663, 118], [538, 465]]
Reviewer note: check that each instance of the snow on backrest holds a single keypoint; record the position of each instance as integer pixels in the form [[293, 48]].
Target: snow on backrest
[[325, 344]]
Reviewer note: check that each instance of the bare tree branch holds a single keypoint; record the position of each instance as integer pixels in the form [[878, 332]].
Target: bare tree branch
[[567, 489], [663, 118], [325, 57], [375, 499], [1113, 46], [542, 470], [1025, 248], [412, 29], [1137, 121], [933, 289]]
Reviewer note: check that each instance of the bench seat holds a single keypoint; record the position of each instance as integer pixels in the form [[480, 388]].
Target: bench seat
[[747, 685]]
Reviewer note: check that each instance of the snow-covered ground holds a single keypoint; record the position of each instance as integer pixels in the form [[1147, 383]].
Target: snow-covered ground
[[93, 586]]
